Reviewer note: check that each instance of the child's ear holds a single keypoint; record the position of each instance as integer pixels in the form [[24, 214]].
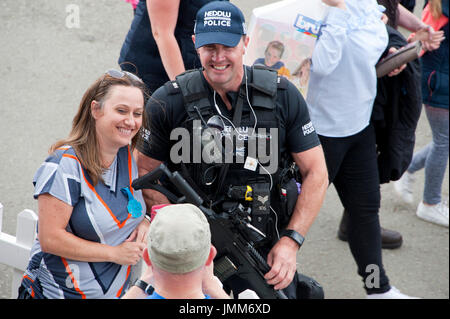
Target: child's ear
[[146, 257], [212, 254]]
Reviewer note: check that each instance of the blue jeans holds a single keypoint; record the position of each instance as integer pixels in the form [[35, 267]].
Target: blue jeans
[[434, 156]]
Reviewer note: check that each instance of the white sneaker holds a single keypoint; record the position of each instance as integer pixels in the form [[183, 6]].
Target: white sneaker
[[248, 294], [437, 214], [392, 293], [404, 187]]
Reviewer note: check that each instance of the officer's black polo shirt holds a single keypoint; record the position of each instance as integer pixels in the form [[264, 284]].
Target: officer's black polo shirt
[[166, 111]]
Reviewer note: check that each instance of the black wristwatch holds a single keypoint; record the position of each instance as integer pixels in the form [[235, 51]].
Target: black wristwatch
[[147, 288], [295, 236]]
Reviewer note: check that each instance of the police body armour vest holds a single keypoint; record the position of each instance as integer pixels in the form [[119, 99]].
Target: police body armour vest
[[262, 85]]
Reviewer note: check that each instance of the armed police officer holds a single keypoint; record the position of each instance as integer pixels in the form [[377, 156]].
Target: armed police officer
[[277, 170]]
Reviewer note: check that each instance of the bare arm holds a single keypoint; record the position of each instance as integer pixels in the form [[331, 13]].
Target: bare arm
[[136, 292], [431, 39], [282, 257], [163, 18], [408, 20], [315, 183], [54, 216], [145, 165], [212, 285]]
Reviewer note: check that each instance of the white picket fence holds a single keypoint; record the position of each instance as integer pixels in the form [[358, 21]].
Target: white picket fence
[[15, 251]]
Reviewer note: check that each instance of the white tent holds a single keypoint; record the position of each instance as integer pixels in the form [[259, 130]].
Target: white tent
[[294, 23]]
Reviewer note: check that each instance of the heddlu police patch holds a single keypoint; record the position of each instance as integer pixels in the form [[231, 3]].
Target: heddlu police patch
[[217, 18], [308, 128]]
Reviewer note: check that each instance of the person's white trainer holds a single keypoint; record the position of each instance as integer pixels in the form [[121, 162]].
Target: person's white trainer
[[404, 187], [392, 293], [437, 214]]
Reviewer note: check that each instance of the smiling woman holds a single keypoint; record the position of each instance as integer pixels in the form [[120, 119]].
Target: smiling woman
[[89, 235], [111, 91], [118, 119]]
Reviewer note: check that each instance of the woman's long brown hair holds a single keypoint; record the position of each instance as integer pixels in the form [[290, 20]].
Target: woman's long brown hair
[[83, 136]]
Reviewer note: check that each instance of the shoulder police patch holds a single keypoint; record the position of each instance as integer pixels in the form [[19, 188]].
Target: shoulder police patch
[[172, 87], [282, 82]]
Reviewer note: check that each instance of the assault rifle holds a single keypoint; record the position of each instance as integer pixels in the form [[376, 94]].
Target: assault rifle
[[232, 234]]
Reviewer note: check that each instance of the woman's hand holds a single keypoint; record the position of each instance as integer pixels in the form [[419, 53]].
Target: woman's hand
[[130, 251], [140, 233], [433, 39], [127, 253]]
